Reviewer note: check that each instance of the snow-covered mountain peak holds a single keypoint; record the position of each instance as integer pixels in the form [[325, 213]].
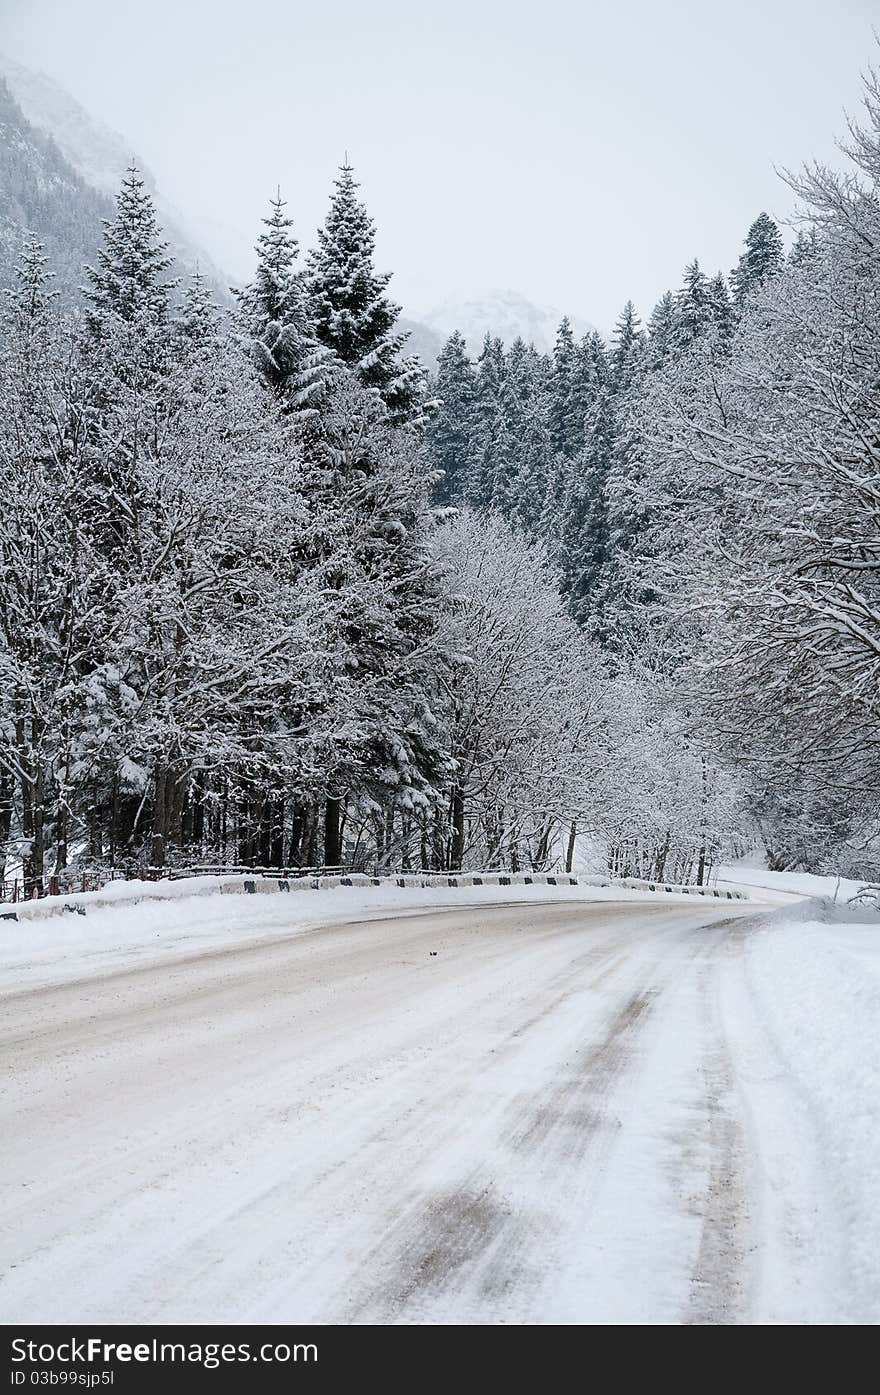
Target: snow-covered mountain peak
[[503, 313]]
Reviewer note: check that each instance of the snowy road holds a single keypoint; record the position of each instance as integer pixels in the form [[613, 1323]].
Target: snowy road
[[562, 1112]]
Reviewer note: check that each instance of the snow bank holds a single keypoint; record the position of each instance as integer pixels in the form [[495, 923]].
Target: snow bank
[[784, 887], [817, 987]]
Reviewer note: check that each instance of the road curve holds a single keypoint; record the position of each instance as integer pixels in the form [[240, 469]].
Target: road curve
[[519, 1113]]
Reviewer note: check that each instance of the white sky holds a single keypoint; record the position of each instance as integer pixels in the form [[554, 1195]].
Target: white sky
[[579, 153]]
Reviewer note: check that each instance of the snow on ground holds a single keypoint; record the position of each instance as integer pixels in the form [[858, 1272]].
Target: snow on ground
[[816, 986], [497, 1104], [782, 887]]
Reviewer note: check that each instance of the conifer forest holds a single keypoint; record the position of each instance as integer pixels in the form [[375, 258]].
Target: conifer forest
[[275, 592]]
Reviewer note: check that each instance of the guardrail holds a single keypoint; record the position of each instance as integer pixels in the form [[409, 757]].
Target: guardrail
[[16, 889], [253, 881], [635, 884]]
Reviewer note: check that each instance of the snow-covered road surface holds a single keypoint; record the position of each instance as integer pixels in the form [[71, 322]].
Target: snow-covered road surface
[[569, 1111]]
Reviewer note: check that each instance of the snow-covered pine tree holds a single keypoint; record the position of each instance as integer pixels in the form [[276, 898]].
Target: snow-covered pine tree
[[722, 308], [451, 428], [274, 314], [200, 317], [350, 311], [488, 448], [693, 308], [627, 347], [51, 617], [583, 547], [563, 408], [661, 329], [384, 750], [518, 389], [129, 282], [534, 460], [592, 373], [762, 259], [804, 247]]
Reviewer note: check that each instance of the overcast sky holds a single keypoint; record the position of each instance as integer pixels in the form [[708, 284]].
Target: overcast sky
[[577, 152]]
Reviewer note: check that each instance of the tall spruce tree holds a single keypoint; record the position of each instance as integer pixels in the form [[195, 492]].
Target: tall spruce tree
[[129, 283], [489, 423], [563, 410], [583, 545], [693, 308], [273, 312], [722, 307], [199, 318], [762, 259], [350, 311], [451, 429], [661, 329], [627, 346]]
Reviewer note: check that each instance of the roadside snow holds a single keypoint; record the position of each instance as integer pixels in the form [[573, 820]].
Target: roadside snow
[[817, 989], [783, 887]]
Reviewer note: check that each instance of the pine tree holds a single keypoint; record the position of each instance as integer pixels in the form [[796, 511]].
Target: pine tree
[[273, 312], [199, 318], [451, 428], [564, 424], [661, 329], [351, 314], [489, 423], [583, 544], [762, 259], [533, 461], [627, 346], [382, 585], [693, 308], [722, 307], [805, 246], [129, 282]]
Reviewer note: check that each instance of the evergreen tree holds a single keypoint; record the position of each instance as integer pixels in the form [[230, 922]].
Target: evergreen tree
[[129, 284], [563, 412], [693, 308], [451, 428], [628, 345], [661, 329], [805, 246], [762, 259], [534, 456], [722, 307], [583, 544], [489, 422], [382, 586], [199, 318], [588, 372], [273, 312], [351, 314]]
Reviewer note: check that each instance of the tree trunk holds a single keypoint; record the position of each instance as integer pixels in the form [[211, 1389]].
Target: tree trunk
[[157, 843], [456, 855], [7, 787], [569, 852], [297, 830], [332, 839], [276, 840]]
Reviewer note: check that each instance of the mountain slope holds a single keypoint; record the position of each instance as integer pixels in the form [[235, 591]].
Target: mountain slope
[[40, 191], [61, 170]]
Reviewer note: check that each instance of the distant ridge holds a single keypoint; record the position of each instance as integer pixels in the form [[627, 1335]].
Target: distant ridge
[[504, 314]]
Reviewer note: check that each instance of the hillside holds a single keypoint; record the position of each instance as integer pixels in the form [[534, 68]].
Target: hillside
[[59, 170], [40, 190]]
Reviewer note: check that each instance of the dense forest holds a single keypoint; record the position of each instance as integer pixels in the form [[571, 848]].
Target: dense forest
[[271, 597]]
